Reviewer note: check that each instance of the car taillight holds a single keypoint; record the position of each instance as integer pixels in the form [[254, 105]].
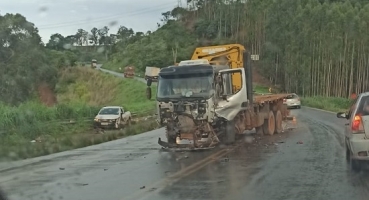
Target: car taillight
[[356, 124]]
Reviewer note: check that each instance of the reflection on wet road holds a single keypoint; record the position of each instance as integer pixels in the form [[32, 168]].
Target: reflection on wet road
[[305, 163]]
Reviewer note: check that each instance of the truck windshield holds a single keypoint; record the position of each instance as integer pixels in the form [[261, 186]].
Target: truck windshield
[[189, 85]]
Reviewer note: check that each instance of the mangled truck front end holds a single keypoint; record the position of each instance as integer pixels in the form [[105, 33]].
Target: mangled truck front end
[[185, 106]]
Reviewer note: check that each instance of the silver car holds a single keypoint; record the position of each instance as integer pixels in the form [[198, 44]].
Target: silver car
[[292, 101], [357, 132]]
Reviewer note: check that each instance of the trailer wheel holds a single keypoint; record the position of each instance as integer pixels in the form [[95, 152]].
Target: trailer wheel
[[230, 132], [148, 93], [278, 122], [269, 124], [259, 130]]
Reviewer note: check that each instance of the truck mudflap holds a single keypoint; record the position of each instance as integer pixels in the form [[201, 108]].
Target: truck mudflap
[[184, 147]]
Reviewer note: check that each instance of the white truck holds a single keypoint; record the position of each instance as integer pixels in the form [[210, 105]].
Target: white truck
[[152, 73], [112, 117]]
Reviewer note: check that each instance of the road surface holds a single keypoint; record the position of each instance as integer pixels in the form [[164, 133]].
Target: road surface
[[269, 168]]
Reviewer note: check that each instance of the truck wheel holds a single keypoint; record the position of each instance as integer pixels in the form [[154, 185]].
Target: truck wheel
[[148, 93], [230, 132], [278, 122], [269, 124], [259, 130]]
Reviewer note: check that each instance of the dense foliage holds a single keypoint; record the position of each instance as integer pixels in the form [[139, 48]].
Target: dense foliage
[[23, 61], [313, 47]]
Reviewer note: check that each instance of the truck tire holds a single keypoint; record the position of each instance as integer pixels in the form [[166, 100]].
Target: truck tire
[[259, 130], [269, 124], [230, 131], [278, 122], [148, 93]]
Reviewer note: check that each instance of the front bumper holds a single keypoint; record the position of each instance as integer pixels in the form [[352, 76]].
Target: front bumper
[[182, 147], [104, 124], [294, 104]]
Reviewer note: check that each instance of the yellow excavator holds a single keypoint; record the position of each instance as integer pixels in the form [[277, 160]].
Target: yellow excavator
[[209, 99]]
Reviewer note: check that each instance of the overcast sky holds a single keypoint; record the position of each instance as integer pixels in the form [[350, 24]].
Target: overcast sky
[[66, 16]]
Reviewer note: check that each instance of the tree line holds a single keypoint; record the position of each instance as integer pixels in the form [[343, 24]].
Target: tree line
[[311, 47]]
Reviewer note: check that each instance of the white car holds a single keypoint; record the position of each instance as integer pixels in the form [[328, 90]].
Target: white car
[[357, 132], [112, 117], [292, 101]]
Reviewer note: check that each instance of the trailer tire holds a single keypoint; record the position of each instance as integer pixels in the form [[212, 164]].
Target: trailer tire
[[148, 93], [278, 122], [230, 132], [259, 130], [269, 124]]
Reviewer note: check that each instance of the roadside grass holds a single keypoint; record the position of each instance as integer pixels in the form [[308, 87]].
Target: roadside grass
[[102, 89], [79, 135], [333, 104], [32, 129], [261, 89]]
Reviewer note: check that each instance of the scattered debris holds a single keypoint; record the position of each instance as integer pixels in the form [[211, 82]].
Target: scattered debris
[[143, 187], [300, 142], [152, 189], [105, 169], [62, 168]]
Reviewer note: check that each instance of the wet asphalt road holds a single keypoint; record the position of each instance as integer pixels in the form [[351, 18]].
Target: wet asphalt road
[[269, 168]]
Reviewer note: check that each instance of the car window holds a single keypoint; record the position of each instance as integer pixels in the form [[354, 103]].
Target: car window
[[363, 106], [292, 96], [109, 111]]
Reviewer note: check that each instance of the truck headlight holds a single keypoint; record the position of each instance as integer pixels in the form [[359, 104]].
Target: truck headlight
[[96, 120]]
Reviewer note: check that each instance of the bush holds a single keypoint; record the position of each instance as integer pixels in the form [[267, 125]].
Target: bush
[[333, 104]]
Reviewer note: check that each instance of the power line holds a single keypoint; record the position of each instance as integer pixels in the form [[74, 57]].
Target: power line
[[80, 22]]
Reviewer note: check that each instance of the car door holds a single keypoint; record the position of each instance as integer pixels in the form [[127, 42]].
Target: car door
[[351, 114]]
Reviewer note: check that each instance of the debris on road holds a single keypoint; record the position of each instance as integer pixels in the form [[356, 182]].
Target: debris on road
[[143, 187], [300, 142], [62, 168]]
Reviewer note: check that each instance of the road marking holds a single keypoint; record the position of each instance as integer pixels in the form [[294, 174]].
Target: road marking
[[181, 174]]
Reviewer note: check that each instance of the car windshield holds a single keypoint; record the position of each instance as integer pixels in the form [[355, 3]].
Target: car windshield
[[193, 85], [109, 111], [293, 96]]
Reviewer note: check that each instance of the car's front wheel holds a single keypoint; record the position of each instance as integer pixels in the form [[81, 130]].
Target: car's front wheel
[[354, 164], [117, 124]]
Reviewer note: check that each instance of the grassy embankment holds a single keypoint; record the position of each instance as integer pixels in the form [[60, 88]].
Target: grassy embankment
[[333, 104], [32, 129]]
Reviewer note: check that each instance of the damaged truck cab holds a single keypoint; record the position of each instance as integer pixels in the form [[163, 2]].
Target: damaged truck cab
[[202, 102]]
